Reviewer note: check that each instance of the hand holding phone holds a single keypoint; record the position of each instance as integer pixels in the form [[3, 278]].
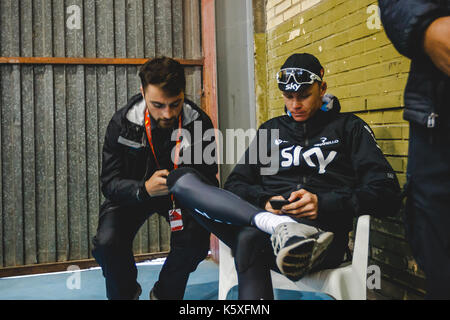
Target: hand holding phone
[[277, 204]]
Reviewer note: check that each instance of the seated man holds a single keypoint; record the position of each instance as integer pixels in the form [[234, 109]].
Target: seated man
[[330, 171]]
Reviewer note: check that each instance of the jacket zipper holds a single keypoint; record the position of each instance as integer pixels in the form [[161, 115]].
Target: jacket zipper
[[306, 137], [146, 154], [306, 145]]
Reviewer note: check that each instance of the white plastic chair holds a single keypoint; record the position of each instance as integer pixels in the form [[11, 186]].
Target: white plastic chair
[[347, 282]]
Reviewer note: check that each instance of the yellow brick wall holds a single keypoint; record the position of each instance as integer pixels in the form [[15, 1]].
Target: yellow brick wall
[[362, 68], [367, 74]]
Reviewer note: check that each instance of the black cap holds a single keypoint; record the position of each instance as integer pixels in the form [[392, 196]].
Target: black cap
[[304, 61]]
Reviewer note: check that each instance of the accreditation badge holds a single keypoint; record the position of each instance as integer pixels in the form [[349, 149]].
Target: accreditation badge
[[176, 220]]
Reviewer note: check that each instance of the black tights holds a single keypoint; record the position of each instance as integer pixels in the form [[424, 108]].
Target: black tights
[[230, 219], [194, 192]]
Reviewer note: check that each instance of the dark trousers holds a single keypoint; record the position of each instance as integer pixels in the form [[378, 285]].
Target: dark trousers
[[254, 257], [427, 212], [113, 251], [230, 220]]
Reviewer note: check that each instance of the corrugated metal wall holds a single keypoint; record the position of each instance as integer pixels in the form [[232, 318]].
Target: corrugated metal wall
[[53, 117]]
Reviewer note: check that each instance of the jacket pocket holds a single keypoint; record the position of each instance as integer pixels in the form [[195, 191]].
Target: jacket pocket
[[134, 163]]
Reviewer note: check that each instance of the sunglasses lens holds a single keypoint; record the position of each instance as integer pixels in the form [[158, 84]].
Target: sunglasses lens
[[282, 77], [302, 76]]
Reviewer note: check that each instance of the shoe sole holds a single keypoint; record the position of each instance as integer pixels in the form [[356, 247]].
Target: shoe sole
[[321, 245], [294, 260]]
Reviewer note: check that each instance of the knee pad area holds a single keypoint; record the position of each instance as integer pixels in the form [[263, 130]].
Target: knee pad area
[[106, 246], [174, 175]]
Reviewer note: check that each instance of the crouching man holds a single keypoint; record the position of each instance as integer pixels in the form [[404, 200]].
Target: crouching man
[[137, 158]]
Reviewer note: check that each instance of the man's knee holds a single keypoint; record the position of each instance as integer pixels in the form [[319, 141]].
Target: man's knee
[[100, 246], [105, 244], [252, 246], [175, 176]]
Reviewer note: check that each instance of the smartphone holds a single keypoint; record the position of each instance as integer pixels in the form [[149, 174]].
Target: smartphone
[[277, 204]]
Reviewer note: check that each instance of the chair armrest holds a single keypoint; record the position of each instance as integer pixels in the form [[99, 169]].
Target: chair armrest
[[227, 271], [361, 247]]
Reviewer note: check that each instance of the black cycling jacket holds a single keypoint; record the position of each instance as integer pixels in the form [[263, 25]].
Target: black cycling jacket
[[332, 155], [405, 22], [128, 162]]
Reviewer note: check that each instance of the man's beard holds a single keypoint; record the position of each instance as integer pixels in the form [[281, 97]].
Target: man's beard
[[166, 123]]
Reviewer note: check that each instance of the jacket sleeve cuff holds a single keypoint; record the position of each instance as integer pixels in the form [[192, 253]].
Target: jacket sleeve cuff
[[330, 203], [141, 193], [263, 198], [325, 203]]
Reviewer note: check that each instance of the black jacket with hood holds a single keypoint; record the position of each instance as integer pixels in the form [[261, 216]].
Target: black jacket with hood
[[332, 155], [128, 161], [405, 22]]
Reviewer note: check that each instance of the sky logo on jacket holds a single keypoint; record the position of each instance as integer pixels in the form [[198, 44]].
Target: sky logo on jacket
[[313, 157]]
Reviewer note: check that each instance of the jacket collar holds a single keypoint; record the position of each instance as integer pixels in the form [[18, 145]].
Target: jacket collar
[[329, 110], [330, 107]]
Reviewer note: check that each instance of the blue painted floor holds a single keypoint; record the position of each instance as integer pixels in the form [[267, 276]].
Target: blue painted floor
[[90, 285]]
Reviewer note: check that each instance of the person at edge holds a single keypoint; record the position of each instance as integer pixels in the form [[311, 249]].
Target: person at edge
[[420, 30]]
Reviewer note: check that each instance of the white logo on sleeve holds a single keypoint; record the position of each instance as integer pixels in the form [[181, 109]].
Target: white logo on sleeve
[[372, 135], [279, 141], [324, 142]]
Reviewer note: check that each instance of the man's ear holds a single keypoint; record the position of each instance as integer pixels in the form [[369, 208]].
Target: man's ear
[[323, 88], [142, 91]]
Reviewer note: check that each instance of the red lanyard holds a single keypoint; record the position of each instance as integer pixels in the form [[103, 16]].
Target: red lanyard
[[148, 129]]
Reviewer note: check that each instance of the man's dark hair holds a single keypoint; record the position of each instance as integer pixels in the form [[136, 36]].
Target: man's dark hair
[[164, 72]]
